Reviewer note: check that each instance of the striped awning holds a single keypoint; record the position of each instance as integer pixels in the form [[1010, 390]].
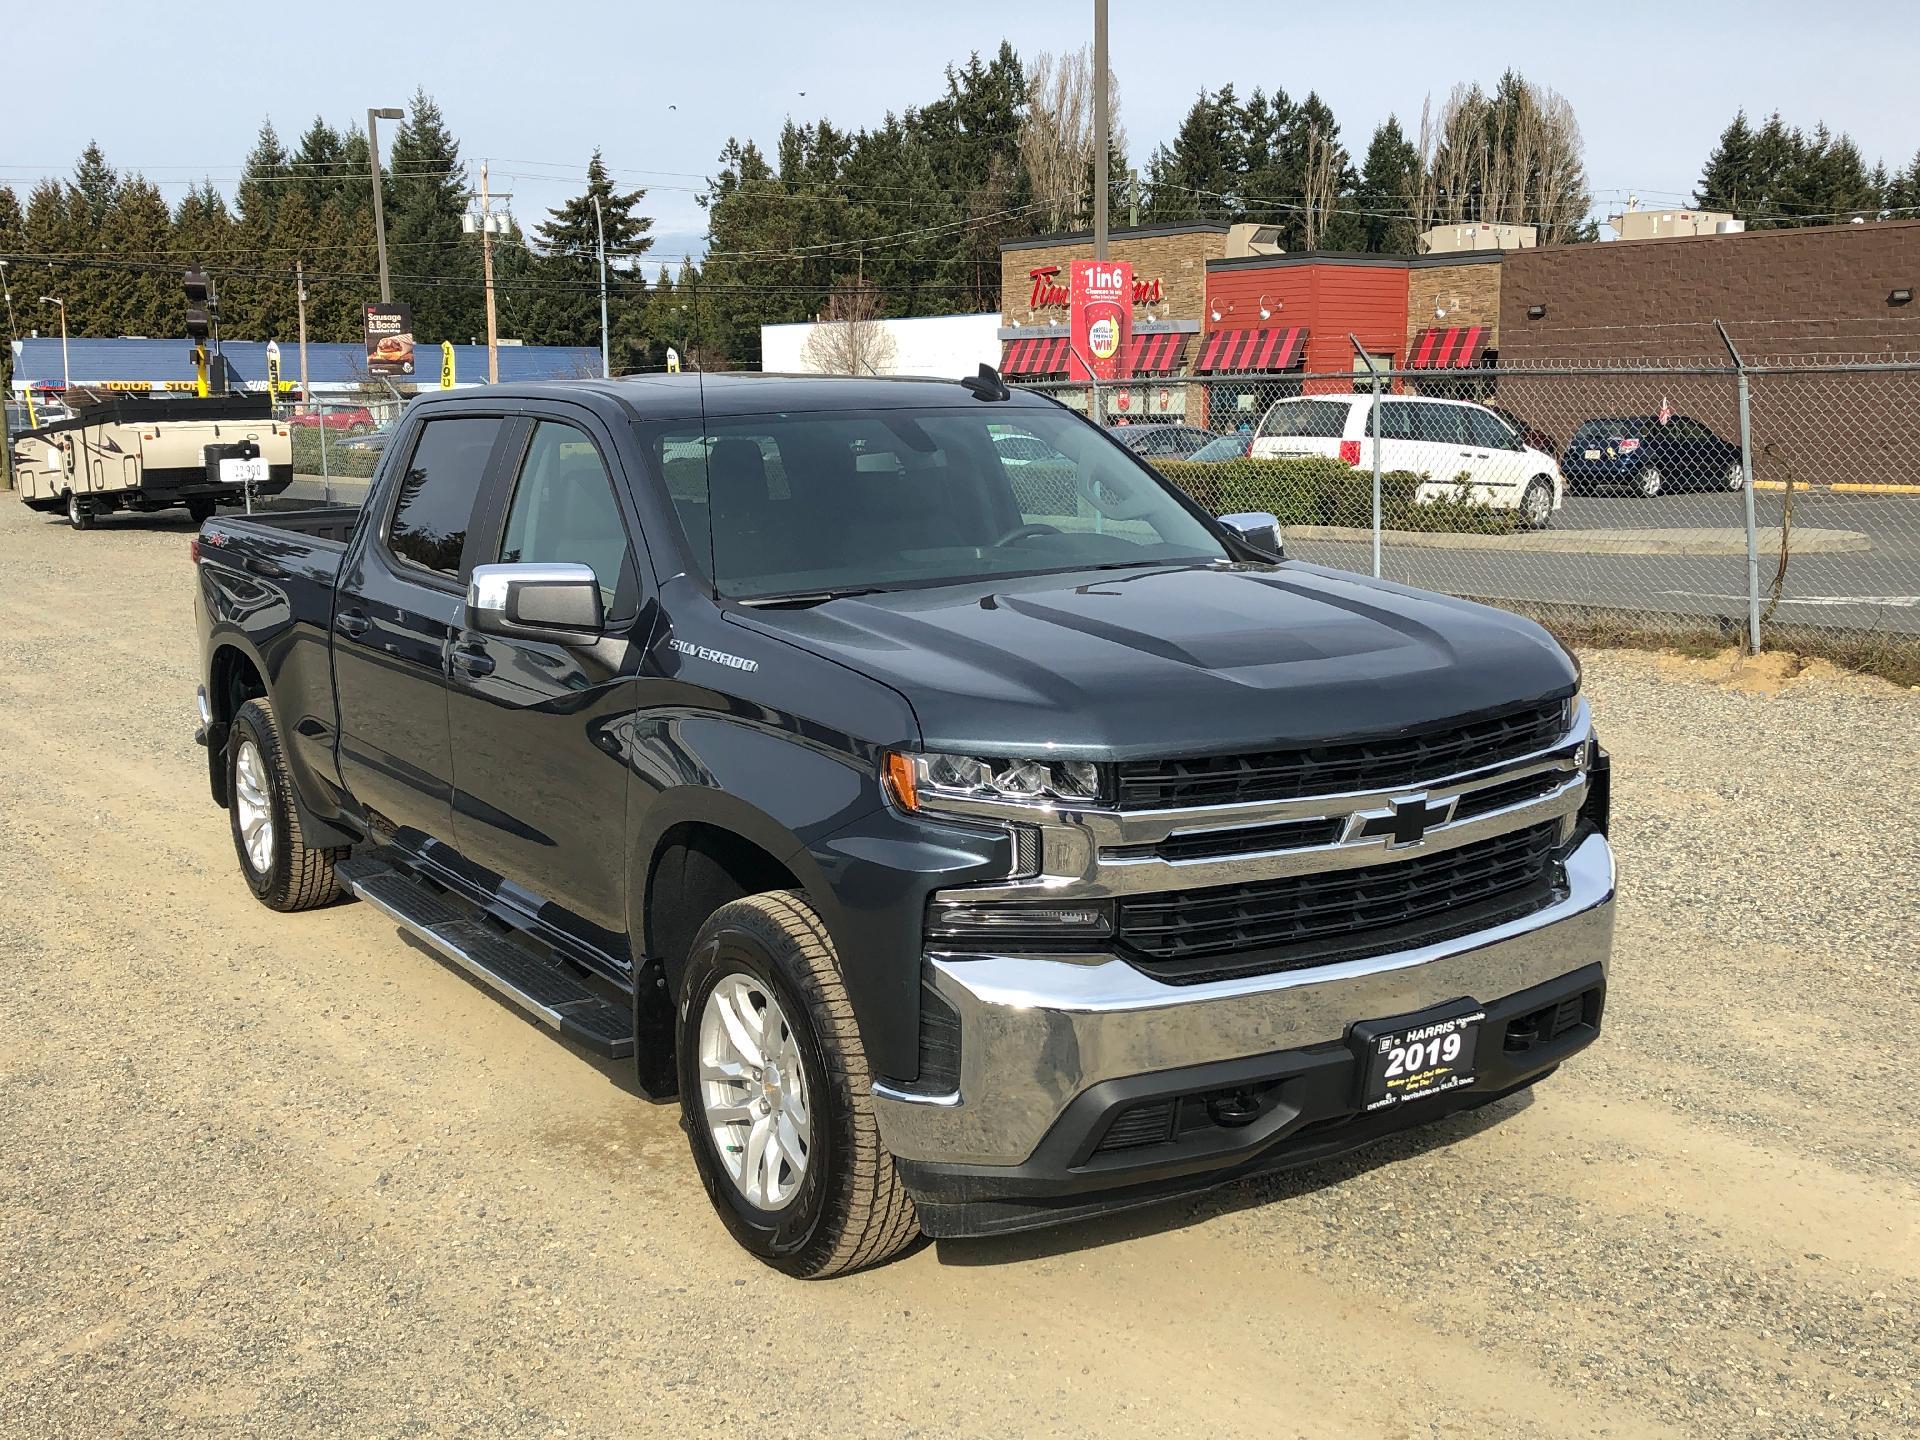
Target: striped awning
[[1451, 347], [1039, 355], [1158, 354], [1253, 350]]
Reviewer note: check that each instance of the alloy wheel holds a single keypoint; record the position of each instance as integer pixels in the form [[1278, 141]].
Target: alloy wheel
[[1736, 477], [1651, 482], [254, 806], [753, 1091]]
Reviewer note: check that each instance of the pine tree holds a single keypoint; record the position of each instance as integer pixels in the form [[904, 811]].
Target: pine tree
[[1727, 182], [1192, 176], [567, 312], [96, 182], [1383, 198], [318, 165], [437, 267], [138, 231]]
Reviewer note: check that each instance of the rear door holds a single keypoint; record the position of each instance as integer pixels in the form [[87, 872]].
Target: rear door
[[539, 809], [1303, 427], [397, 607]]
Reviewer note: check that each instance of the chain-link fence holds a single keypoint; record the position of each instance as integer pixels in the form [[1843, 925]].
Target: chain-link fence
[[1771, 502], [336, 445]]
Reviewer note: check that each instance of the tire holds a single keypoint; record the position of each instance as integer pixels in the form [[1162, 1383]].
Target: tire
[[201, 511], [1736, 480], [1651, 483], [847, 1208], [1536, 503], [79, 511], [285, 873]]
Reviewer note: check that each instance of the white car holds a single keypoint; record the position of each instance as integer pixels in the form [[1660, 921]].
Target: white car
[[1464, 450]]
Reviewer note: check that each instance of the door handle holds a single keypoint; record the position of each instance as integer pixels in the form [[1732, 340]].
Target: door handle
[[474, 662], [352, 624]]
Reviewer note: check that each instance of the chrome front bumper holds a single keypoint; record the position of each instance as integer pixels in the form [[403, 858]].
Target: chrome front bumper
[[1036, 1031]]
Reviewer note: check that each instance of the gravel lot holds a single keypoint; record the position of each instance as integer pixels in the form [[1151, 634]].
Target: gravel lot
[[286, 1175]]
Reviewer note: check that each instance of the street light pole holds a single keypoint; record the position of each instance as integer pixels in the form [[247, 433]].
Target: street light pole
[[379, 216], [66, 370], [1100, 129], [606, 368]]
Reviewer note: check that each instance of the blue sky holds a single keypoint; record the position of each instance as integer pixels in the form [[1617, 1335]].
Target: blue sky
[[661, 87]]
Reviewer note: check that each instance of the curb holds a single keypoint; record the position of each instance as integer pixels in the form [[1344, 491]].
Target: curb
[[1844, 487], [1802, 541]]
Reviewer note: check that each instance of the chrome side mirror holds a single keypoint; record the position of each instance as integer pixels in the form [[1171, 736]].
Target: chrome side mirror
[[1257, 528], [556, 603]]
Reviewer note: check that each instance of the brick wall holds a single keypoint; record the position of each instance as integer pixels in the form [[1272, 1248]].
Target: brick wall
[[1178, 258], [1781, 293], [1469, 293]]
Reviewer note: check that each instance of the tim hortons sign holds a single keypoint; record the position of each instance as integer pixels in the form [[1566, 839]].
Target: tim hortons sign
[[1049, 293]]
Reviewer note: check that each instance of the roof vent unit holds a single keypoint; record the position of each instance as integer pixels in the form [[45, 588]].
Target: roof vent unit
[[1729, 227], [1244, 240]]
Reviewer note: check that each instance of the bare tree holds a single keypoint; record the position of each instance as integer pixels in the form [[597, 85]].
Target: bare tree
[[1056, 138], [1322, 186], [1512, 157], [849, 337]]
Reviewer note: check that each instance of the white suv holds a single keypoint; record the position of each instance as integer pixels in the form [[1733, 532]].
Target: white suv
[[1461, 449]]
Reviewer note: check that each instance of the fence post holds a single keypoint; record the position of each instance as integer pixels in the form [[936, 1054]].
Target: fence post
[[326, 480], [1373, 373], [1746, 490]]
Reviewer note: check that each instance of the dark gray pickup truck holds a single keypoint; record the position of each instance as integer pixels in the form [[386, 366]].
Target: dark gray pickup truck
[[971, 843]]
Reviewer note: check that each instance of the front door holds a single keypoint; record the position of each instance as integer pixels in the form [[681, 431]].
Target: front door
[[399, 601], [538, 757]]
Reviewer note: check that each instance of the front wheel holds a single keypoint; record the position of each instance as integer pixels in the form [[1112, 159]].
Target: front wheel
[[1652, 482], [1536, 505], [1736, 477], [282, 869], [79, 511], [775, 1094]]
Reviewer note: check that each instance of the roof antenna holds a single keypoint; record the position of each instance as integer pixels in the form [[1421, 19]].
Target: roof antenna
[[987, 385]]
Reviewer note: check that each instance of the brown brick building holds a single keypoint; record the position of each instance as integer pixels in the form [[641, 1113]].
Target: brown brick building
[[1169, 260], [1455, 289]]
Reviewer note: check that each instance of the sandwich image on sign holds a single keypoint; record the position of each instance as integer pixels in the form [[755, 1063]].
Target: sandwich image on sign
[[390, 339]]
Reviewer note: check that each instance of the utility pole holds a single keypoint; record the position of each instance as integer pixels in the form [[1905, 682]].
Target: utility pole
[[486, 268], [1100, 129], [300, 295], [600, 228], [379, 216]]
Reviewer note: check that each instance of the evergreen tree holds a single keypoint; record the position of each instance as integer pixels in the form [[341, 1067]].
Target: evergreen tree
[[1903, 192], [318, 166], [138, 231], [437, 267], [1382, 200], [262, 180], [1197, 172], [567, 312], [1728, 180], [96, 182]]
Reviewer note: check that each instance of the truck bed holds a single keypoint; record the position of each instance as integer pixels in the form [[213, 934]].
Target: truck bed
[[332, 524]]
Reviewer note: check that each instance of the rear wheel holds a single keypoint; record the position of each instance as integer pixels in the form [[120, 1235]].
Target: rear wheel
[[1736, 477], [1536, 505], [79, 511], [201, 511], [775, 1094], [282, 869], [1651, 482]]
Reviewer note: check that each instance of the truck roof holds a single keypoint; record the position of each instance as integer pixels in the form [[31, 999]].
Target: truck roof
[[739, 392]]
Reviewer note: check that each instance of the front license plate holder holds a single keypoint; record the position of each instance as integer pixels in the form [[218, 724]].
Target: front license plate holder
[[1415, 1057]]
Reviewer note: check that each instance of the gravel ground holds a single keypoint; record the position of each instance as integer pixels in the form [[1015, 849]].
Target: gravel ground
[[283, 1175]]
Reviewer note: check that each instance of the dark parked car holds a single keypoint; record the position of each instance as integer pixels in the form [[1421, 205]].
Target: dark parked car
[[1225, 447], [375, 440], [1650, 455], [1163, 442]]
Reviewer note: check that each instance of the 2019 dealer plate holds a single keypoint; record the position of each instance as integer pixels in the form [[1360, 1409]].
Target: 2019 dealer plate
[[1415, 1057]]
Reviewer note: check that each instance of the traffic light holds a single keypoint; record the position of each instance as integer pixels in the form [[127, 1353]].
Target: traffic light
[[200, 304], [203, 313]]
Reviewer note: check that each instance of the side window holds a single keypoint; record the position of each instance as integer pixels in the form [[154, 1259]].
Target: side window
[[1490, 431], [564, 510], [438, 490], [1396, 421], [1438, 424]]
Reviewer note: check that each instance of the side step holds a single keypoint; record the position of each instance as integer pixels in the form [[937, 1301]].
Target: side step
[[545, 989]]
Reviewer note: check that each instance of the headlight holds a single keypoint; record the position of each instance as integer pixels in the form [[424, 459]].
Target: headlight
[[922, 782]]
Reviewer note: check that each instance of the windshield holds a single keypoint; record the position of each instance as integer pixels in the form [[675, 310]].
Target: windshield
[[795, 504]]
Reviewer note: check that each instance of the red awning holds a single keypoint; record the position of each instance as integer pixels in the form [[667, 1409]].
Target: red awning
[[1453, 347], [1254, 350], [1038, 355], [1157, 354]]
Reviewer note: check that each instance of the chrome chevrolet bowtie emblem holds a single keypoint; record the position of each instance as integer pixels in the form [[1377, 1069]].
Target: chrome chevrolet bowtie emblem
[[1404, 822]]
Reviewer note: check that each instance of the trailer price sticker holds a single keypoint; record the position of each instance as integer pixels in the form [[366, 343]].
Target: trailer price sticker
[[1413, 1061]]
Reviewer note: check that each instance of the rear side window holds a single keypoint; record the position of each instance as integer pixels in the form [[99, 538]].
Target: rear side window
[[438, 489], [1438, 424], [1396, 420], [1307, 419]]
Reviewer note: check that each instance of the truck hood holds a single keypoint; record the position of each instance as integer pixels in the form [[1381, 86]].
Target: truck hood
[[1182, 661]]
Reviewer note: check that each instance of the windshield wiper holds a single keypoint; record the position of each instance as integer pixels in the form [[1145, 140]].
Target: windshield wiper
[[809, 597]]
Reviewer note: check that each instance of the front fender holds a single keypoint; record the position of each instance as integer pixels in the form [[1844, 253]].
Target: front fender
[[818, 809]]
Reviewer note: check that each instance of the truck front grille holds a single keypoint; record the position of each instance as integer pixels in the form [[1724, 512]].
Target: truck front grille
[[1303, 920], [1382, 764]]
